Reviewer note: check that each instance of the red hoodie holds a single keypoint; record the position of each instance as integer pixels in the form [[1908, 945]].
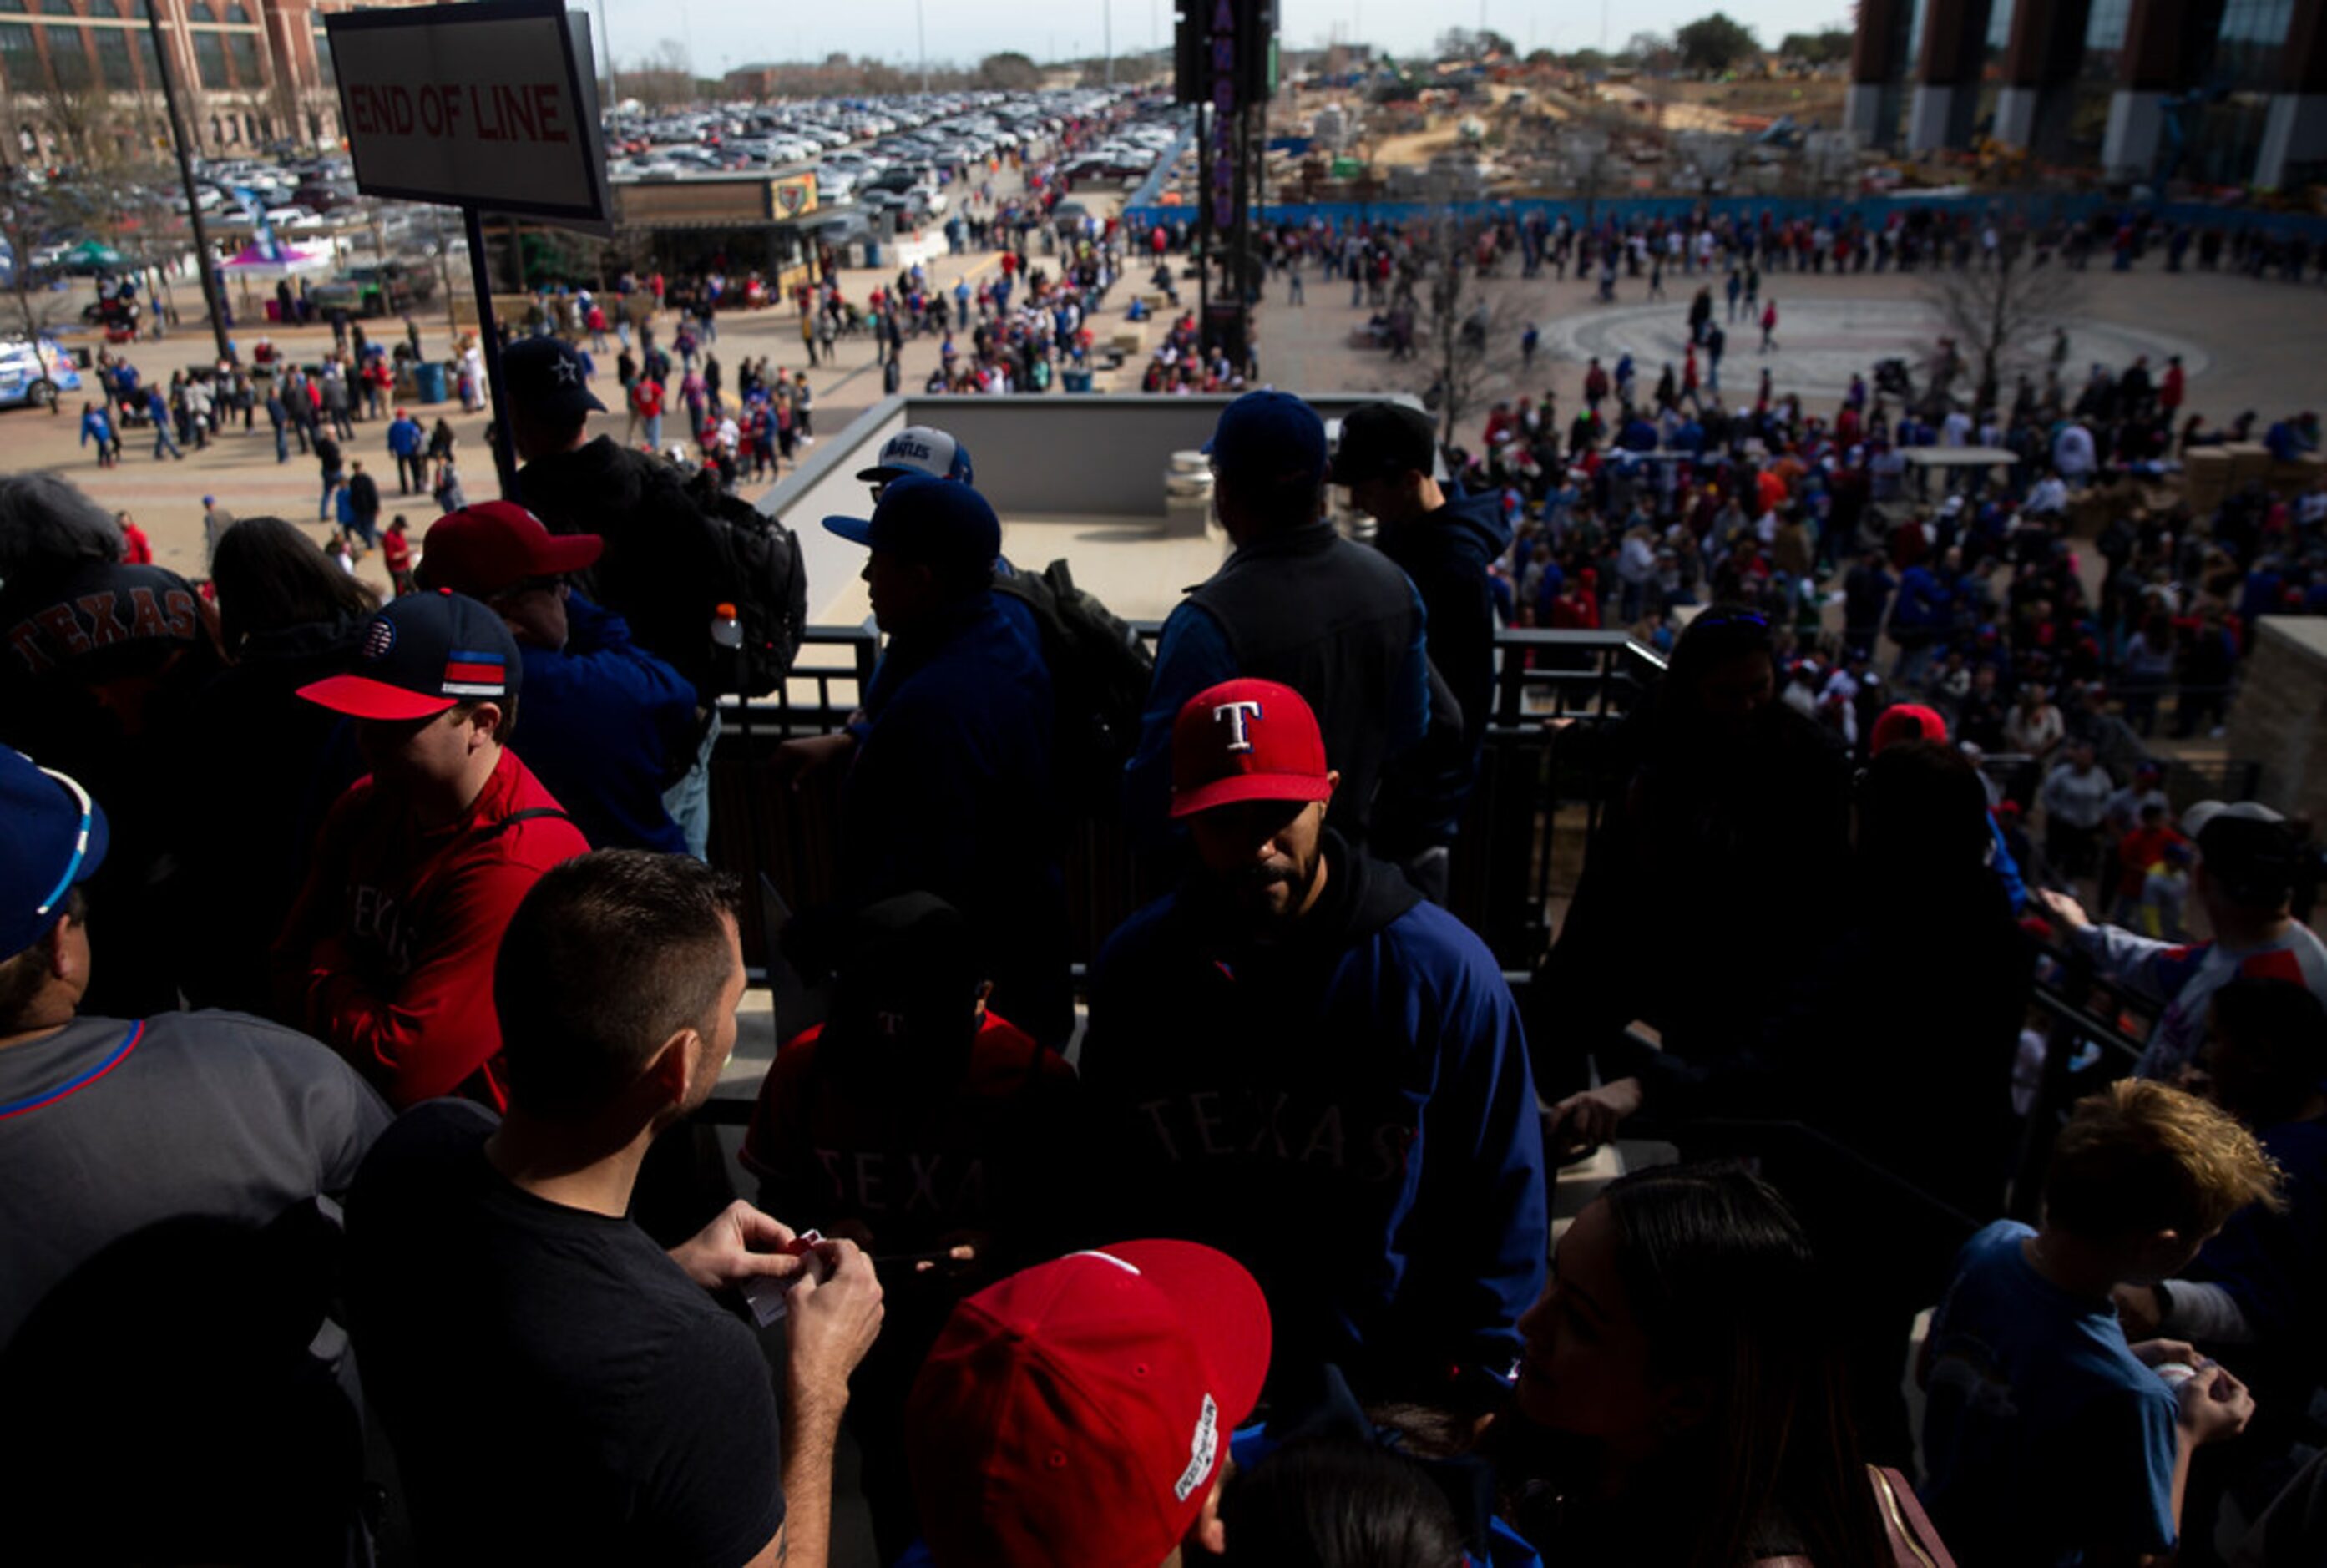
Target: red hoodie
[[388, 954]]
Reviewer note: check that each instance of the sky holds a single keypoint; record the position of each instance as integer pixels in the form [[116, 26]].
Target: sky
[[720, 34]]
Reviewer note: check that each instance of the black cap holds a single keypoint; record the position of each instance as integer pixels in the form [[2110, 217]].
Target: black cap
[[547, 377], [908, 970], [1385, 438], [2248, 850]]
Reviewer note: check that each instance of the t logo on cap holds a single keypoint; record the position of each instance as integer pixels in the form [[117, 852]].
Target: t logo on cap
[[1236, 714], [1221, 754]]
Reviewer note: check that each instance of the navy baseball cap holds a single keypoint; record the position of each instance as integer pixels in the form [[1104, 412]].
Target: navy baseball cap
[[423, 654], [1268, 436], [1378, 439], [931, 520], [919, 449], [546, 377], [52, 837]]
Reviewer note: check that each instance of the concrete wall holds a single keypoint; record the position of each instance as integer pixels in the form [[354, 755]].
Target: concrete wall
[[2277, 721], [1043, 454]]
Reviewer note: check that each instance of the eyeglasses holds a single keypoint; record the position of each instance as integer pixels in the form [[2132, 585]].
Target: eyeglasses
[[80, 844]]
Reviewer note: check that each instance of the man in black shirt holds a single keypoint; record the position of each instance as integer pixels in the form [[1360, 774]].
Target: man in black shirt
[[558, 1389]]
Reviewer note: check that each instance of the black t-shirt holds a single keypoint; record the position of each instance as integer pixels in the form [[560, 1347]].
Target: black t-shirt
[[557, 1390]]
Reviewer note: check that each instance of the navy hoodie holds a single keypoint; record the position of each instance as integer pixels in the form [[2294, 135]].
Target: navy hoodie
[[1446, 553], [1350, 1112]]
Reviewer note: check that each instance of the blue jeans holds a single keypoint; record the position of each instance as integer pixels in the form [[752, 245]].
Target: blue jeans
[[162, 442], [688, 801], [331, 482]]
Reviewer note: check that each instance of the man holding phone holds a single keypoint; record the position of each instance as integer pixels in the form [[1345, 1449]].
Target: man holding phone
[[559, 1388]]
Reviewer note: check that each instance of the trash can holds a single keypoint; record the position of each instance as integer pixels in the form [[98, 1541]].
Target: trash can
[[274, 310], [1075, 380], [872, 253], [429, 376]]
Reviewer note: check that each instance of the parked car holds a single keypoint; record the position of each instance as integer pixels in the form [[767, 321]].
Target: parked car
[[388, 289], [32, 373]]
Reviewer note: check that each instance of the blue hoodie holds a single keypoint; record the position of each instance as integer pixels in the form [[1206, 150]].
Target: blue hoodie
[[1348, 1111], [1447, 554]]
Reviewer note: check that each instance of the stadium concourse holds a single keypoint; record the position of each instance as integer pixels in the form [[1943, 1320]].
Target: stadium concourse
[[1183, 1120]]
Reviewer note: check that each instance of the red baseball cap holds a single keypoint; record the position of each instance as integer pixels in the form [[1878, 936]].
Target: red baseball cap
[[1078, 1411], [1246, 740], [1906, 722], [494, 545]]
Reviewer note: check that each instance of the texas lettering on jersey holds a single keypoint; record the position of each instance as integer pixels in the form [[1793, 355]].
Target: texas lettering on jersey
[[378, 928], [1270, 1126], [89, 622], [946, 1189]]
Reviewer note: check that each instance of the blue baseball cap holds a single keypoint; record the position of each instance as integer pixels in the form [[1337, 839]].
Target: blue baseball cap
[[1270, 435], [423, 654], [931, 520], [52, 837]]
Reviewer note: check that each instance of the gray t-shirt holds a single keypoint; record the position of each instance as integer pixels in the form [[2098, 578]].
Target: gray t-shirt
[[108, 1127]]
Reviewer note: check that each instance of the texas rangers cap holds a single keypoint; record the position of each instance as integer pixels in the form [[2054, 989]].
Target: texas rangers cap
[[421, 655], [919, 518], [494, 545], [1906, 722], [53, 836], [1385, 438], [919, 449], [1268, 436], [1079, 1411], [1246, 740], [546, 376]]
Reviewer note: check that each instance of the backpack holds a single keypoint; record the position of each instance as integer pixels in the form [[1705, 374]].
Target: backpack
[[762, 576], [1099, 674]]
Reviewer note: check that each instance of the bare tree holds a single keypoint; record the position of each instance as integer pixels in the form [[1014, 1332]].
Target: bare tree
[[2001, 313], [1466, 335]]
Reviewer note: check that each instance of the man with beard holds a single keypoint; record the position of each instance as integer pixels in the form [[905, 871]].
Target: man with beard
[[1299, 1061]]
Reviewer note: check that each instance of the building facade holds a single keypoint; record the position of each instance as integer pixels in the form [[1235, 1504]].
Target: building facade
[[251, 74], [2225, 92]]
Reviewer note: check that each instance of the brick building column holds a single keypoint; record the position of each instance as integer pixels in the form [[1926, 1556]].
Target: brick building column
[[1877, 59], [2296, 130], [1946, 74], [2034, 104]]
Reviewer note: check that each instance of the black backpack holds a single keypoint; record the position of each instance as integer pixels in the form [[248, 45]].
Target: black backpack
[[763, 577], [1099, 674]]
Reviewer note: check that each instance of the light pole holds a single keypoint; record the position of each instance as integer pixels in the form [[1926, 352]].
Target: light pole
[[186, 178], [921, 33]]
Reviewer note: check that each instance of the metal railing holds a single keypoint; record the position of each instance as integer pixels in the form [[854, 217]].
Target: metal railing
[[762, 824], [1532, 789]]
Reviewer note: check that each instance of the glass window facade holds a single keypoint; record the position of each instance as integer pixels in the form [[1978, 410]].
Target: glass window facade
[[19, 57], [209, 60], [242, 48], [112, 59], [68, 56]]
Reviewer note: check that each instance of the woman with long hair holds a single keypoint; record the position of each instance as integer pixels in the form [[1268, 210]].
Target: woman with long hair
[[288, 616], [1679, 1392]]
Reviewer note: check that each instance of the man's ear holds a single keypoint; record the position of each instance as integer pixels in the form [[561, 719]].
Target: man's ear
[[672, 1070], [483, 720], [1207, 1531], [1332, 782]]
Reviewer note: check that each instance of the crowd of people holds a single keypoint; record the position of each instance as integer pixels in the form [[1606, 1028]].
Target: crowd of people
[[1248, 1255]]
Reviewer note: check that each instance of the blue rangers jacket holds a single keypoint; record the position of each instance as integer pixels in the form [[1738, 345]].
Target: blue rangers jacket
[[1348, 1112]]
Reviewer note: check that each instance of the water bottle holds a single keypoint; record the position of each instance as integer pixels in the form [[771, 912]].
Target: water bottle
[[726, 628]]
